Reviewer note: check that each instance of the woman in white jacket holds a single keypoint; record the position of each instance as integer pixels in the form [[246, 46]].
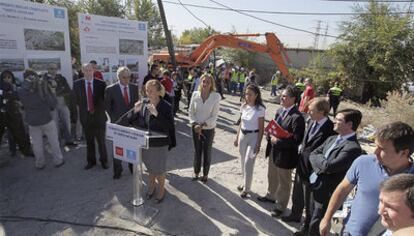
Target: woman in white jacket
[[204, 107]]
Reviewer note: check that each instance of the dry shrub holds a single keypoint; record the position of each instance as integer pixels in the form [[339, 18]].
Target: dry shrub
[[396, 107]]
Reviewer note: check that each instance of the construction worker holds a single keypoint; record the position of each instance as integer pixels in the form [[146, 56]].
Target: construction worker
[[242, 79], [334, 95], [276, 79], [234, 80], [300, 86]]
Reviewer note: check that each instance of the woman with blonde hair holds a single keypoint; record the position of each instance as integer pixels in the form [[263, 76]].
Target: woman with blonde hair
[[155, 115], [249, 134], [203, 111]]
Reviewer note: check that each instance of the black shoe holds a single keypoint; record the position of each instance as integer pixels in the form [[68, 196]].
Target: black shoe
[[291, 218], [240, 188], [117, 176], [73, 144], [195, 178], [88, 166], [276, 213], [104, 165], [265, 199], [244, 195], [300, 233], [61, 164], [130, 167]]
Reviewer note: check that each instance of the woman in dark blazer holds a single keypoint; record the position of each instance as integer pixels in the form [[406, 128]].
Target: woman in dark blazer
[[155, 114]]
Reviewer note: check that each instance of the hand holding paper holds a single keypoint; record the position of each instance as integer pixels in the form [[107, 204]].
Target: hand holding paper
[[274, 129]]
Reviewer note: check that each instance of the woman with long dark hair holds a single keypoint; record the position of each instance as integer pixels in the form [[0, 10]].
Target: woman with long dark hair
[[249, 134]]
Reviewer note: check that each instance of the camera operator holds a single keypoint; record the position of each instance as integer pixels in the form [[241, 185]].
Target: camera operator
[[61, 114], [39, 101], [10, 116]]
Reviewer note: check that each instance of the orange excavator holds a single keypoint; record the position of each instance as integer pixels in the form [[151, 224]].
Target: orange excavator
[[273, 47]]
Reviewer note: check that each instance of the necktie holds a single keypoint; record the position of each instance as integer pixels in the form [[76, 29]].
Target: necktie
[[90, 98], [126, 100], [314, 128], [337, 141], [281, 117]]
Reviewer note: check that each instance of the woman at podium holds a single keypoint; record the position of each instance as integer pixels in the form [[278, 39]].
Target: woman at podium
[[155, 114], [204, 107]]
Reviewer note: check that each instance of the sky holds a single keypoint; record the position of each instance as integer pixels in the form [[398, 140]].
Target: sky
[[179, 19]]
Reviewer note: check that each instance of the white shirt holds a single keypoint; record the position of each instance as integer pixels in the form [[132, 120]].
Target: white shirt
[[250, 117], [207, 111]]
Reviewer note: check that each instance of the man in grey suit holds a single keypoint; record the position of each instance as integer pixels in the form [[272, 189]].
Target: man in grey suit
[[119, 99], [330, 162]]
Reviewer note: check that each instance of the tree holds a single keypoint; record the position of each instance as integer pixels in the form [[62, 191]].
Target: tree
[[376, 50], [196, 35], [146, 10], [103, 7]]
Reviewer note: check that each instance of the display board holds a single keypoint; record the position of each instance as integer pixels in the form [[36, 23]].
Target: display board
[[33, 35], [114, 42]]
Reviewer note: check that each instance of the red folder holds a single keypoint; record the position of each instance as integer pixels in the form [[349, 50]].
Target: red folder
[[273, 128]]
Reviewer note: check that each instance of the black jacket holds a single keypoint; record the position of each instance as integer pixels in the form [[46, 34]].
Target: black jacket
[[163, 123], [115, 104], [80, 99], [304, 168], [285, 151], [332, 170]]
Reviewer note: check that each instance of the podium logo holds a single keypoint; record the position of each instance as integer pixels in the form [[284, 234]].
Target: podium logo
[[119, 151], [132, 155]]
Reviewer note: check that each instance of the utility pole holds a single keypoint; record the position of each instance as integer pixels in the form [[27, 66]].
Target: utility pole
[[325, 38], [167, 34], [316, 40]]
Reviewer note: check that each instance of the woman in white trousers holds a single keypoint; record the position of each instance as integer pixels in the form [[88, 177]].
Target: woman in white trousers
[[249, 135]]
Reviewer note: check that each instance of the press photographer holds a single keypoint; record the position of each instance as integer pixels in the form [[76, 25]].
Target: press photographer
[[39, 100]]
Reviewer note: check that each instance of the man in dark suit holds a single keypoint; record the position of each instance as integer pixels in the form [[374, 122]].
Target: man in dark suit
[[283, 152], [330, 162], [319, 128], [119, 99], [88, 94]]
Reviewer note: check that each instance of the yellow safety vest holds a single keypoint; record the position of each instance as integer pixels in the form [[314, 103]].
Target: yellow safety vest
[[300, 86], [235, 76], [335, 91], [242, 77]]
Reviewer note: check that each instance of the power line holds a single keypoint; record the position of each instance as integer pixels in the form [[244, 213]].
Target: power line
[[193, 14], [281, 12], [271, 22], [359, 1]]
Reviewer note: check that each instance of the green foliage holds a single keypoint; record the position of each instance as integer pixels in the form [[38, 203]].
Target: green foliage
[[376, 51], [146, 10], [103, 7], [238, 56], [196, 35]]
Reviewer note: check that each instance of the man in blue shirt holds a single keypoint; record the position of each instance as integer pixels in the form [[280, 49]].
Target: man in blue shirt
[[394, 146]]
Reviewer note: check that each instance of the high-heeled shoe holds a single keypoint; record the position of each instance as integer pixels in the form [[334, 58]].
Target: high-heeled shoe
[[149, 195], [159, 200]]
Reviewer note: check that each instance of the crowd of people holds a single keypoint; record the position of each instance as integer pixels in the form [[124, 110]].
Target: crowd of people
[[329, 161]]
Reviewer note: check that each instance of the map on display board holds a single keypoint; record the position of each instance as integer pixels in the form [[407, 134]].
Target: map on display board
[[34, 35], [112, 43]]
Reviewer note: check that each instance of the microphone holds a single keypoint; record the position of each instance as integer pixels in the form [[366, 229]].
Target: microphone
[[144, 102]]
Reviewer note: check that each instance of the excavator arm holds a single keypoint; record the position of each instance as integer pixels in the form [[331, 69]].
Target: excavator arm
[[273, 47]]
